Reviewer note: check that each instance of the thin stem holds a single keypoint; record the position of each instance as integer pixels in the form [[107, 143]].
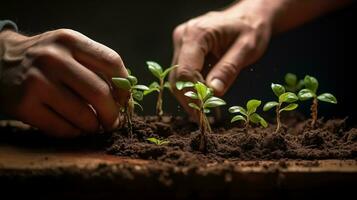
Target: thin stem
[[129, 110], [159, 111], [314, 112], [247, 123], [278, 123]]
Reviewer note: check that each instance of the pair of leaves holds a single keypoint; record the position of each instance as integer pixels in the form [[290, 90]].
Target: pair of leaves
[[292, 83], [157, 141], [128, 83], [284, 97], [211, 102], [157, 71], [180, 85], [306, 94], [248, 113]]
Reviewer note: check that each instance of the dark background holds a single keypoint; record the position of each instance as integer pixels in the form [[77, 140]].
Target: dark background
[[141, 30]]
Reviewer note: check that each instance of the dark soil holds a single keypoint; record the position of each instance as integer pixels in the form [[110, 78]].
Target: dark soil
[[296, 140]]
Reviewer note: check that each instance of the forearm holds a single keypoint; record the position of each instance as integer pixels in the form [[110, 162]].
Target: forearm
[[283, 15]]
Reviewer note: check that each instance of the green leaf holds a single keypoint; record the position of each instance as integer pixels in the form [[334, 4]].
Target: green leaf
[[290, 79], [138, 104], [311, 83], [238, 118], [191, 94], [305, 94], [194, 106], [300, 84], [252, 105], [181, 85], [140, 87], [122, 83], [206, 110], [167, 85], [168, 70], [257, 119], [155, 69], [149, 91], [138, 95], [288, 97], [327, 97], [277, 89], [238, 109], [209, 94], [270, 105], [154, 85], [201, 90], [157, 141], [289, 107], [133, 80], [214, 102], [129, 71]]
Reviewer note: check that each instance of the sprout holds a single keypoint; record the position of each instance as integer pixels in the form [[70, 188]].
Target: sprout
[[136, 94], [292, 84], [311, 86], [204, 101], [248, 115], [157, 71], [284, 97], [157, 141]]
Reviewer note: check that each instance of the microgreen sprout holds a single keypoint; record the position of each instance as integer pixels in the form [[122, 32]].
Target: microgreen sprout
[[136, 94], [161, 74], [203, 102], [157, 141], [309, 92], [249, 114], [292, 84], [283, 97]]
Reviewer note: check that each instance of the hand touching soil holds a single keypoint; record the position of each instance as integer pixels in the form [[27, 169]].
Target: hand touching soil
[[56, 81]]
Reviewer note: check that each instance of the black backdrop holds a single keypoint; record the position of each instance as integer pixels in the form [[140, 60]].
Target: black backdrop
[[141, 30]]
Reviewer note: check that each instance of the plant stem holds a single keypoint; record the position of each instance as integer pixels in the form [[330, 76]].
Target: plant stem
[[159, 111], [278, 123], [129, 109], [247, 123], [314, 112]]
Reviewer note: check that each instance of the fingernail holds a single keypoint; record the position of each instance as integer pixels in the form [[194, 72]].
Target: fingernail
[[217, 84]]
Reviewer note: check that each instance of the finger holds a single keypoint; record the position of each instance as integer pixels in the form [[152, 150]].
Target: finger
[[224, 73], [71, 107], [60, 66]]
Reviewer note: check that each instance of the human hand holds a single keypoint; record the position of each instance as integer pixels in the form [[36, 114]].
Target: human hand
[[236, 37], [56, 81]]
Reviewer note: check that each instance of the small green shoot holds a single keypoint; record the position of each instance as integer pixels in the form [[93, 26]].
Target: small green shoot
[[292, 84], [309, 92], [157, 141], [203, 102], [283, 97], [249, 114], [160, 74], [136, 94]]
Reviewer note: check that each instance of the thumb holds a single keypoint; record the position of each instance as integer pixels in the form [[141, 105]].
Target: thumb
[[224, 73]]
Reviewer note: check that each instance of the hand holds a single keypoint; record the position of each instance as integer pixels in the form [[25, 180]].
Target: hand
[[236, 37], [56, 81]]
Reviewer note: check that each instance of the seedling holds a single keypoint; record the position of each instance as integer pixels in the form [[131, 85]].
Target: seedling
[[283, 97], [136, 94], [309, 92], [204, 101], [157, 71], [249, 114], [292, 84], [157, 141]]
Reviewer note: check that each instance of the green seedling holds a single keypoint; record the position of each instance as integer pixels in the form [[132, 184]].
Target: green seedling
[[161, 74], [292, 84], [136, 94], [309, 92], [157, 141], [249, 114], [203, 102], [283, 97]]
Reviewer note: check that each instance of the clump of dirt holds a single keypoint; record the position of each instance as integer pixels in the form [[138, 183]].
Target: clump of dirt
[[328, 140]]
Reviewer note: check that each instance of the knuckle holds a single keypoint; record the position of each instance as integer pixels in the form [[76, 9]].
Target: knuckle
[[100, 92], [178, 32], [65, 34], [229, 68]]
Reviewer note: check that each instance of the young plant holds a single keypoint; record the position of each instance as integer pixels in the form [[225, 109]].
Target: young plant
[[157, 71], [309, 92], [136, 94], [249, 114], [292, 84], [283, 97], [204, 101], [157, 141]]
